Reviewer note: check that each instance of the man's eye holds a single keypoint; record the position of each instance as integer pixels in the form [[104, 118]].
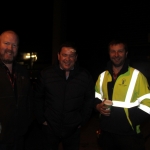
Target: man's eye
[[72, 56], [64, 55], [112, 52]]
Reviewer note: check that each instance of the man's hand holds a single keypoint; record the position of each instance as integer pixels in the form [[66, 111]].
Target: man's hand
[[45, 123], [103, 109]]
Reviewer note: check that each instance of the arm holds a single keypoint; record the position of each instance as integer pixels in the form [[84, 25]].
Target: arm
[[39, 99], [98, 102], [141, 113], [88, 101]]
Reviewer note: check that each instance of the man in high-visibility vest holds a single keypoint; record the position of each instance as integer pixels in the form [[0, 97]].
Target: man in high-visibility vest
[[129, 92]]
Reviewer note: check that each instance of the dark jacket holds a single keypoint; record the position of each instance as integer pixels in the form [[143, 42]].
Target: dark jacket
[[64, 104], [15, 105]]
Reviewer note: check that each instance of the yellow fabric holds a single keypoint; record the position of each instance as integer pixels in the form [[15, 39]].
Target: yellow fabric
[[127, 114]]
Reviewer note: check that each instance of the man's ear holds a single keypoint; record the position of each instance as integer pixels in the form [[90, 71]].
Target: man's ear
[[126, 54], [76, 57], [58, 55]]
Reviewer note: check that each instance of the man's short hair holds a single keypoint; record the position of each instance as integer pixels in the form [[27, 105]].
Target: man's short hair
[[118, 41], [11, 31], [68, 44]]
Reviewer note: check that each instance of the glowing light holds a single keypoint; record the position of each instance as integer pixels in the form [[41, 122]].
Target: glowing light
[[29, 56]]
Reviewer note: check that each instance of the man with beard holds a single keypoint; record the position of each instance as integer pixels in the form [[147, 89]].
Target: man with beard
[[15, 95], [129, 92]]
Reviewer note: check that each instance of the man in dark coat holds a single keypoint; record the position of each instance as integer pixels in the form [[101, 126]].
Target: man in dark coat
[[64, 97], [15, 92]]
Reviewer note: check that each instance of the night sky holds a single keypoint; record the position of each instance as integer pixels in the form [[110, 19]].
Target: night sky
[[94, 24], [91, 24]]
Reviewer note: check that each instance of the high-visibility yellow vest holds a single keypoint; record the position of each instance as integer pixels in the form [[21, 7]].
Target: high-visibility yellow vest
[[131, 89]]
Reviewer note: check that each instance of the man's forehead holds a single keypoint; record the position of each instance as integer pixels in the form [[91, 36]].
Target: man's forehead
[[9, 36], [69, 49], [72, 50], [117, 46]]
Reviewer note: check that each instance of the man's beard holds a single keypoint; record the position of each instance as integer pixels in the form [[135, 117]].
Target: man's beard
[[118, 65], [6, 61]]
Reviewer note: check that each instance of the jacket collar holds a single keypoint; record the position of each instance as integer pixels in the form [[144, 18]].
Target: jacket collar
[[122, 71], [4, 66], [62, 72]]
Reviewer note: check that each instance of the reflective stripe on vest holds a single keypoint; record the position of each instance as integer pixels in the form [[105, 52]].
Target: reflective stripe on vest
[[100, 96], [144, 107], [126, 103]]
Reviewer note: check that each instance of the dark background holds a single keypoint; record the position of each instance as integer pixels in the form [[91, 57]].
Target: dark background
[[43, 25]]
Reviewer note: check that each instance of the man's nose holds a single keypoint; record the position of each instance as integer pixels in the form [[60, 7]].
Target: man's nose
[[67, 58], [116, 54], [10, 46]]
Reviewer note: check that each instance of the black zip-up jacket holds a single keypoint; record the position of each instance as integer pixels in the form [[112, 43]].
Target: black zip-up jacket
[[15, 104], [64, 103]]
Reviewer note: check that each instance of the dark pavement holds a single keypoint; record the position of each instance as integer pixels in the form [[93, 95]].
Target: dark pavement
[[88, 135]]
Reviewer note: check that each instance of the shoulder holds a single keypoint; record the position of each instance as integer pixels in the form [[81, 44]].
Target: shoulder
[[141, 76], [22, 73], [48, 71], [106, 72], [48, 68], [21, 69], [136, 70], [84, 71]]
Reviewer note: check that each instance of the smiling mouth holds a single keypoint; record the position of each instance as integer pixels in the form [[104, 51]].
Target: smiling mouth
[[116, 59], [9, 53], [67, 64]]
